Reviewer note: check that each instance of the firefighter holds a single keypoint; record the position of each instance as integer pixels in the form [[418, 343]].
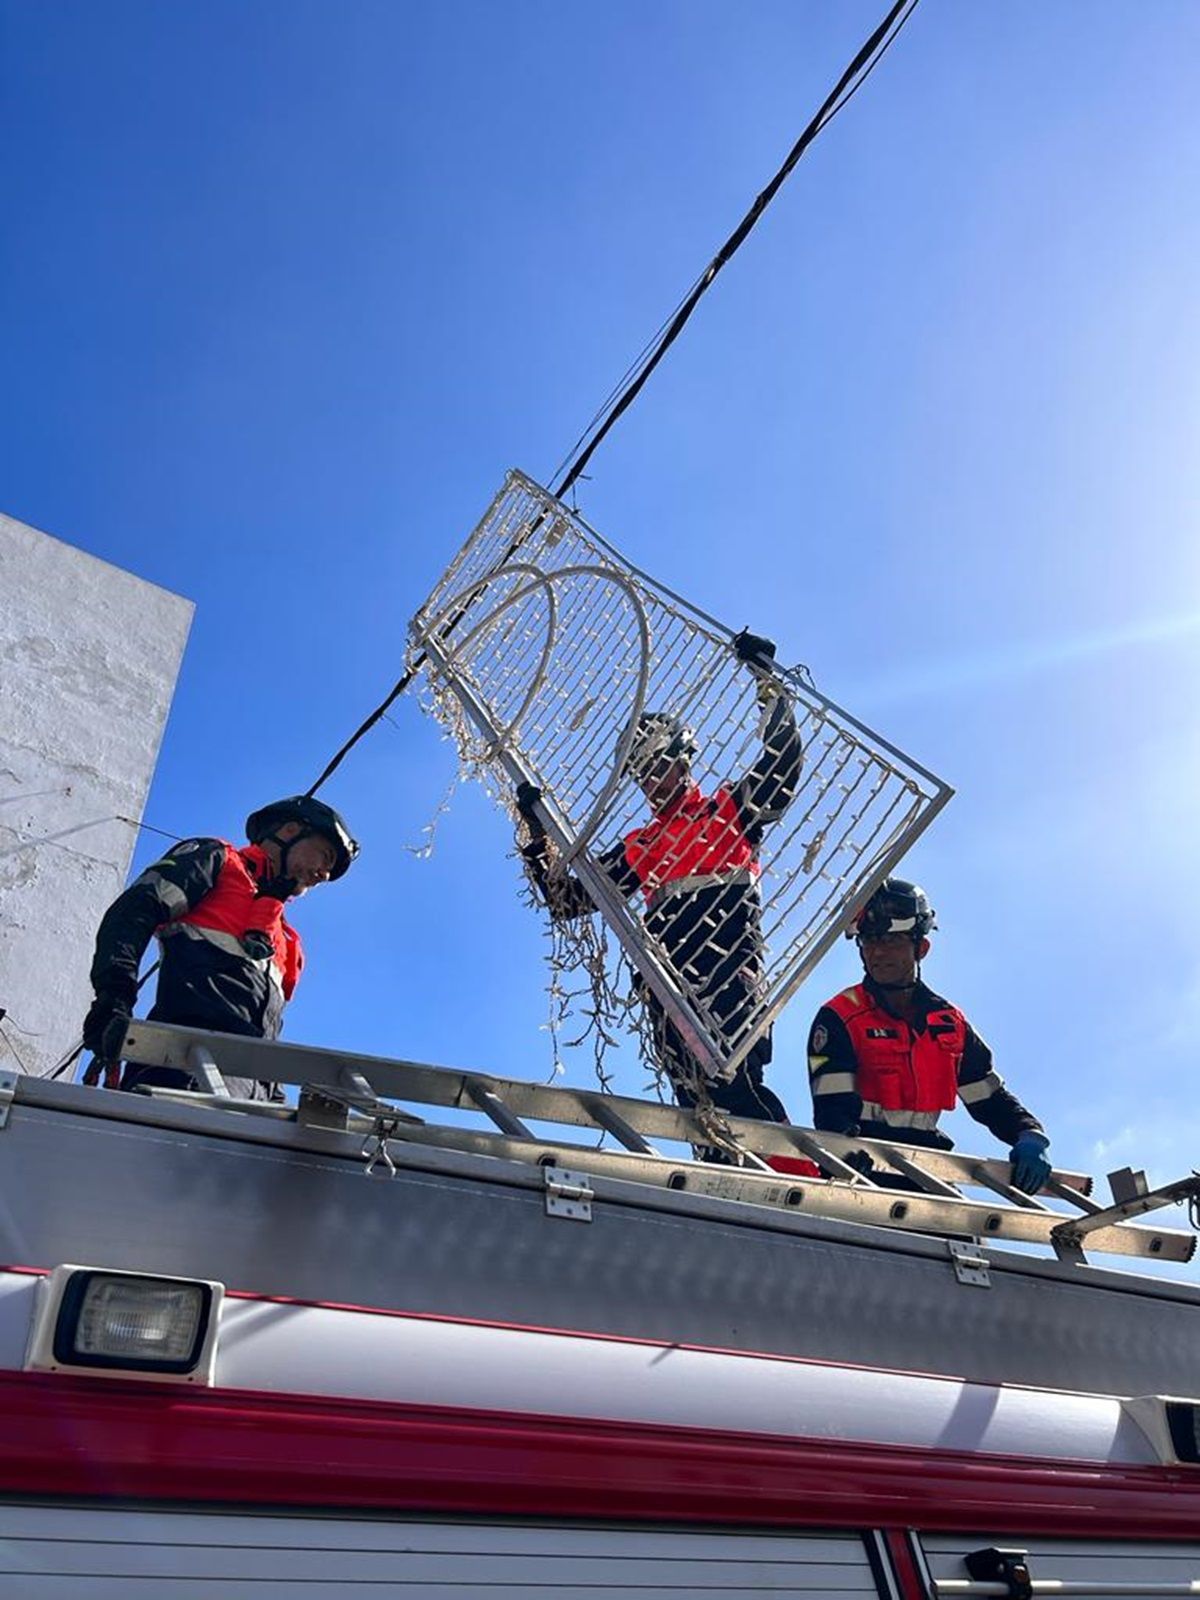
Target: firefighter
[[230, 958], [888, 1056], [696, 865]]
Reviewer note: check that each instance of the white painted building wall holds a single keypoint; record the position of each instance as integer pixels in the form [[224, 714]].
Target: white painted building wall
[[89, 656]]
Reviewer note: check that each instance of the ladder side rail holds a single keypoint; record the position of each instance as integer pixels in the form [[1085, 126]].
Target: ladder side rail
[[816, 1197], [559, 1103], [651, 1118]]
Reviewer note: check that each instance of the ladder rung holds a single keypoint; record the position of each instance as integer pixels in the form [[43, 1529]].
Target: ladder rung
[[988, 1178], [490, 1103], [615, 1124], [924, 1180]]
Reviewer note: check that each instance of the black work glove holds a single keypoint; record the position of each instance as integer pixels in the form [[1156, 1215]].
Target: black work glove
[[105, 1024], [754, 650], [257, 945], [528, 795], [861, 1161]]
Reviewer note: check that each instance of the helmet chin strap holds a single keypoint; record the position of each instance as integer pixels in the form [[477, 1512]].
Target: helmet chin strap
[[281, 886]]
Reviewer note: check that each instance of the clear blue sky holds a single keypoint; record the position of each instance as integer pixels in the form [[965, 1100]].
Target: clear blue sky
[[286, 287]]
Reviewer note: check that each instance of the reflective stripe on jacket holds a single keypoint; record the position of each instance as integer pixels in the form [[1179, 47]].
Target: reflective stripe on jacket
[[209, 979], [899, 1069]]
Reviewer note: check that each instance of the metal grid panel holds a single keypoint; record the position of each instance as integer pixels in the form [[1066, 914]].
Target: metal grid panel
[[544, 645]]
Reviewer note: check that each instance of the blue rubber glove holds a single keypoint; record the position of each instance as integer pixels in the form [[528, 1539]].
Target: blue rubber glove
[[1030, 1169]]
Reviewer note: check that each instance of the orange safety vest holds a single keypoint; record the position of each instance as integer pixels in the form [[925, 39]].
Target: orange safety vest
[[233, 907], [695, 837], [900, 1069]]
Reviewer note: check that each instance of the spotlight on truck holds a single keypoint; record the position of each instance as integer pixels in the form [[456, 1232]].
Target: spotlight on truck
[[125, 1324]]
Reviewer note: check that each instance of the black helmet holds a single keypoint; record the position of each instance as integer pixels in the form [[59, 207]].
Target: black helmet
[[897, 906], [659, 734], [312, 814]]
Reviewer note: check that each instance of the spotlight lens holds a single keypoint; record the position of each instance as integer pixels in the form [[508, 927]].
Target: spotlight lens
[[140, 1320]]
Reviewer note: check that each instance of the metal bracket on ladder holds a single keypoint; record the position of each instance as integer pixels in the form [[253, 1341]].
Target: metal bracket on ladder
[[335, 1106], [1135, 1199], [8, 1084], [971, 1266], [568, 1194]]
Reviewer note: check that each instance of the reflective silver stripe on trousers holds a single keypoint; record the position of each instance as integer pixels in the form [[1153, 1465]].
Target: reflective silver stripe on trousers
[[972, 1093], [832, 1082], [171, 895], [707, 880], [899, 1119]]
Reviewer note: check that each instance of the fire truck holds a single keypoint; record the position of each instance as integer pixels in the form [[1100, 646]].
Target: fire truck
[[428, 1332]]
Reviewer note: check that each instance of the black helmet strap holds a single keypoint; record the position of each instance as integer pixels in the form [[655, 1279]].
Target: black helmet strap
[[282, 886]]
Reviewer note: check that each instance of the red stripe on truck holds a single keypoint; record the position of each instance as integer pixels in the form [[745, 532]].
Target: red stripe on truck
[[101, 1438]]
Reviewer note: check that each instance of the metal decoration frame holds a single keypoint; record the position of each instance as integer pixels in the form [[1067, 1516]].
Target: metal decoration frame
[[543, 645]]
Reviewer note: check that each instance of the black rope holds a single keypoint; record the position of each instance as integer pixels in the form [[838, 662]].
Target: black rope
[[16, 1053], [148, 827], [73, 1056], [859, 69], [851, 80]]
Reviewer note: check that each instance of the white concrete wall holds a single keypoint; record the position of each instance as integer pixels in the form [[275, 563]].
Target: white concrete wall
[[89, 656]]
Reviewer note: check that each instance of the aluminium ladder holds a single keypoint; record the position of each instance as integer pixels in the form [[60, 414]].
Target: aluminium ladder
[[358, 1094]]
